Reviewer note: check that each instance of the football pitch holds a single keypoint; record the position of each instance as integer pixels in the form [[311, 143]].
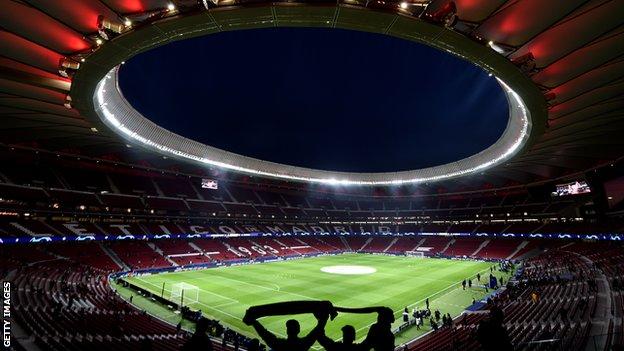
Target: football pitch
[[225, 293]]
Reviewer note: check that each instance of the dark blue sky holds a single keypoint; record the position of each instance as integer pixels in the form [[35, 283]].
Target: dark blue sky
[[321, 98]]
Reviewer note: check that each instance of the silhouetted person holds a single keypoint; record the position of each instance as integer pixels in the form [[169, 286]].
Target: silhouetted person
[[380, 336], [492, 334], [292, 342], [347, 343], [434, 325], [200, 341]]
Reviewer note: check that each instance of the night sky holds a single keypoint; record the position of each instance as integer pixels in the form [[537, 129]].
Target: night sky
[[322, 98]]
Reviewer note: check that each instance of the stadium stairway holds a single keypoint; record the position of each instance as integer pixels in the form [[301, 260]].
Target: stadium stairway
[[451, 242], [521, 246], [346, 243], [422, 241], [603, 318], [113, 256], [368, 241], [160, 252], [476, 252], [194, 246], [390, 244]]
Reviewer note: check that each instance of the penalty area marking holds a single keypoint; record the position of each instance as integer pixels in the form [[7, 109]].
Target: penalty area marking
[[349, 270]]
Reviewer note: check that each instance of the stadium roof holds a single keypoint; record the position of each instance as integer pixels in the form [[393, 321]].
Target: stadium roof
[[575, 59]]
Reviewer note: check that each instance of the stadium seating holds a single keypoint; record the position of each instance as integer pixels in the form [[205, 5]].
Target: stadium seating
[[71, 200], [543, 312], [96, 188], [72, 274], [71, 307], [139, 255]]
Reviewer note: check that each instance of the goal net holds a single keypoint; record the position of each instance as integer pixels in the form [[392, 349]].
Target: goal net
[[184, 294], [418, 254]]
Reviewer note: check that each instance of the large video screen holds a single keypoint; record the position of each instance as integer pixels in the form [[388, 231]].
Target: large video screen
[[573, 188], [209, 184]]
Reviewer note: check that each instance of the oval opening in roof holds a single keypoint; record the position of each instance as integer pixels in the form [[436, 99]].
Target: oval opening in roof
[[328, 99]]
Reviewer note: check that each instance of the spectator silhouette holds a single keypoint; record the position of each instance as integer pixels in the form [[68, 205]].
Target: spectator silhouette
[[380, 336], [200, 341], [492, 334], [292, 342], [347, 343]]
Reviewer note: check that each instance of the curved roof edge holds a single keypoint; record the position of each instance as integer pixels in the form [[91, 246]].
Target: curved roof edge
[[95, 91]]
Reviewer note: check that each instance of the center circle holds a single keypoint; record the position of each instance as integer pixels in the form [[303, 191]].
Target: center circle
[[349, 270], [328, 99]]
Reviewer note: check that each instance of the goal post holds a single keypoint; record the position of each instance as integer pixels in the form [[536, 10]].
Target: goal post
[[184, 294], [417, 254]]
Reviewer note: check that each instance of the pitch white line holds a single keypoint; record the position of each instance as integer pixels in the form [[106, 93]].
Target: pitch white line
[[420, 301], [259, 286], [206, 291], [197, 302], [213, 308]]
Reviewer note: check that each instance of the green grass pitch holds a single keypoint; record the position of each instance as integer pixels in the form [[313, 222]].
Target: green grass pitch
[[226, 292]]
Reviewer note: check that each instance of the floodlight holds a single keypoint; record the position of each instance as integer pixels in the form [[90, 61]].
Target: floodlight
[[525, 62], [67, 67], [445, 15]]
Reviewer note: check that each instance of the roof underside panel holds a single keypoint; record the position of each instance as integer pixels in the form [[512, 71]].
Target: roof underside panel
[[578, 46], [592, 97], [39, 106], [126, 7], [582, 60], [81, 15], [601, 76], [7, 63], [595, 111], [29, 91], [27, 21], [27, 52], [476, 10], [556, 42], [517, 23]]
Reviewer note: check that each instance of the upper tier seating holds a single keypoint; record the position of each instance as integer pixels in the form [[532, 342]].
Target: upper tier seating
[[138, 254]]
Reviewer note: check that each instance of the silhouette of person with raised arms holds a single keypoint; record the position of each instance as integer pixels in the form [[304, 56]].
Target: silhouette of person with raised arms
[[347, 343], [292, 342], [379, 337]]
